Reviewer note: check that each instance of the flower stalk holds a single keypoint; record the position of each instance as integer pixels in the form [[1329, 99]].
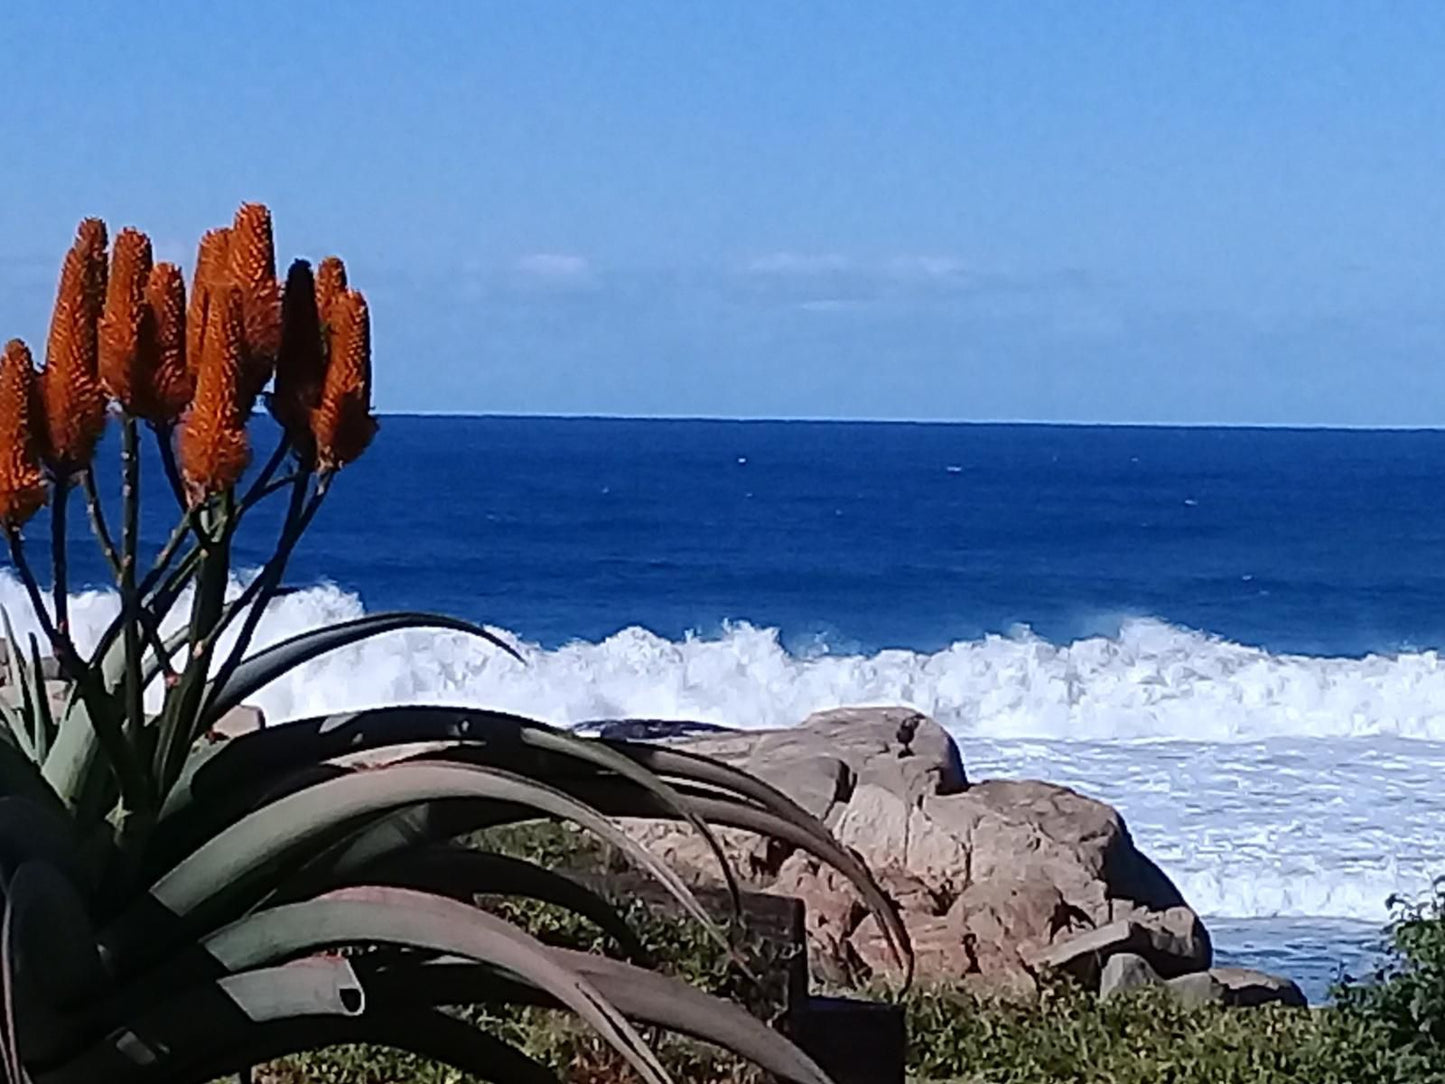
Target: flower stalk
[[98, 525], [129, 595], [127, 337]]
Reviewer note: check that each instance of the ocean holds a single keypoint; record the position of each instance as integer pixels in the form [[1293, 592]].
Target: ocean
[[1232, 635]]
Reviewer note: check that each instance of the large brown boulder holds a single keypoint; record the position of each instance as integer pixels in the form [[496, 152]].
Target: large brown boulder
[[996, 880]]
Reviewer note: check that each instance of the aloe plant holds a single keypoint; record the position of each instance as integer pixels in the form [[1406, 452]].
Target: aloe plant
[[179, 903]]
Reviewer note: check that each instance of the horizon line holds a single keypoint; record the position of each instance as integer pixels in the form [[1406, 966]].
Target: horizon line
[[833, 420]]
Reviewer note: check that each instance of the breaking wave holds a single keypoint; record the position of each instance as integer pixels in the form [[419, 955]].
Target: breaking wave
[[1242, 772]]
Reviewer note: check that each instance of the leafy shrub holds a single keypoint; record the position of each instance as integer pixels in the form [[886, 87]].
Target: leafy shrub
[[1405, 999]]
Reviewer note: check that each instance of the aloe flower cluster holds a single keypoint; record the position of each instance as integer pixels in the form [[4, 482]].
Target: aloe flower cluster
[[173, 899]]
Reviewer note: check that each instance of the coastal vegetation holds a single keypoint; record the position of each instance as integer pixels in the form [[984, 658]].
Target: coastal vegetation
[[184, 895], [1387, 1027]]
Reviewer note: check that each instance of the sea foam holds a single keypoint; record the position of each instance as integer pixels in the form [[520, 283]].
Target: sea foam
[[1264, 784]]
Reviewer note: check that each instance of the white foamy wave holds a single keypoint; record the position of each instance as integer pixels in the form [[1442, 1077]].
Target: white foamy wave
[[1152, 681], [1286, 827], [1240, 771]]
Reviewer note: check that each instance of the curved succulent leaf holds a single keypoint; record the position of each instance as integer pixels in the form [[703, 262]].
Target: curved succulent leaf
[[603, 756], [225, 772], [33, 832], [496, 736], [270, 663], [209, 1030], [780, 819], [464, 874], [17, 680], [251, 759], [14, 660], [430, 923], [14, 732], [75, 768], [644, 996], [155, 1038], [720, 777], [21, 777], [227, 1043], [723, 809], [258, 754], [40, 696], [226, 871]]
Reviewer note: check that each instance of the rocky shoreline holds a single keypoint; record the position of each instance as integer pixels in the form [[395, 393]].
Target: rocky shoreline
[[999, 881]]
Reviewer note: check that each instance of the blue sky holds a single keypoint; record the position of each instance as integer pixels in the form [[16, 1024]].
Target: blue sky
[[1214, 212]]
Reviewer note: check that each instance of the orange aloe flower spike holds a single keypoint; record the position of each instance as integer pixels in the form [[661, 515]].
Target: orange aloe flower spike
[[330, 284], [301, 363], [121, 359], [252, 268], [22, 481], [90, 237], [163, 345], [212, 446], [211, 260], [74, 413], [343, 424]]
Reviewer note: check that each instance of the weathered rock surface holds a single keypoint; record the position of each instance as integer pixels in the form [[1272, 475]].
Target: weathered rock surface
[[997, 880], [1234, 986], [1246, 987], [1124, 971]]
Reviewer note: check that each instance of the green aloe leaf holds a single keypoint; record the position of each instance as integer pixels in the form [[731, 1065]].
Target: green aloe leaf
[[226, 768], [44, 719], [219, 779], [641, 995], [465, 874], [75, 768], [270, 663], [208, 1030], [726, 781], [417, 920], [20, 777], [13, 733], [17, 676], [658, 999], [41, 832], [204, 1046], [228, 870], [722, 809], [14, 659], [603, 756]]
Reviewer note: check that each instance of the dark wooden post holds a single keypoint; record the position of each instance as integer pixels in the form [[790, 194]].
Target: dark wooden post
[[854, 1042]]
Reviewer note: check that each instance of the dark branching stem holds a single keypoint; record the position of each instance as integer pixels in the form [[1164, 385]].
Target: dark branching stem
[[129, 595], [60, 584], [97, 520], [255, 496], [60, 642], [167, 554], [259, 488], [262, 589], [135, 787], [214, 522], [162, 585], [168, 462], [153, 637]]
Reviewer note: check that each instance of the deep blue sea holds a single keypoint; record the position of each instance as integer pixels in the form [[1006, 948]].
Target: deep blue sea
[[1231, 634]]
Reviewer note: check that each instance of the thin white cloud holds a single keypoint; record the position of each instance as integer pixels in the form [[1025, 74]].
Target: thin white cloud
[[555, 265], [928, 267], [799, 263]]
